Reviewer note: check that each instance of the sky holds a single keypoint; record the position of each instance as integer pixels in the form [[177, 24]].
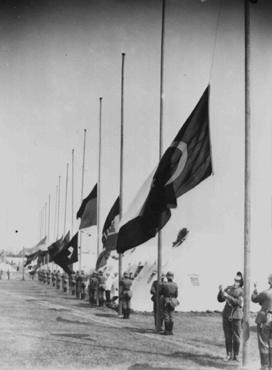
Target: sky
[[58, 57]]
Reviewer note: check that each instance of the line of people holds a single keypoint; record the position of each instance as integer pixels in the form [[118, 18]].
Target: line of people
[[101, 288]]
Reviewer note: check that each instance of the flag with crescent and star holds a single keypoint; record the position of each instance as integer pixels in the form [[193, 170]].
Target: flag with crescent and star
[[186, 163]]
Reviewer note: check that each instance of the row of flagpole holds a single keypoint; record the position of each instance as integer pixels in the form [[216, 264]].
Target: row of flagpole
[[161, 117]]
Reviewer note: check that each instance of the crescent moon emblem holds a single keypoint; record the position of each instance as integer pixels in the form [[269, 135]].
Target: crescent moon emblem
[[182, 162]]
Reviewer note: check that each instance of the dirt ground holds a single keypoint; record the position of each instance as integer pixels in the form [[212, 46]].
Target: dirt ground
[[44, 328]]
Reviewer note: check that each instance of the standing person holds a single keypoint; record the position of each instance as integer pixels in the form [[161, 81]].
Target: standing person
[[114, 289], [125, 295], [8, 273], [108, 288], [169, 294], [232, 315], [264, 324], [78, 283], [93, 289], [82, 285], [153, 292], [1, 274], [101, 289]]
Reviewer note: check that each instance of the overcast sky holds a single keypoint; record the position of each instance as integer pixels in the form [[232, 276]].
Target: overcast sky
[[58, 57]]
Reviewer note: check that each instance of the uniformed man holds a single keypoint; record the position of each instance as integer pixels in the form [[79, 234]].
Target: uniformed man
[[125, 295], [232, 315], [264, 324], [73, 283], [78, 284], [93, 289], [153, 292], [169, 293], [82, 285], [101, 289], [54, 278]]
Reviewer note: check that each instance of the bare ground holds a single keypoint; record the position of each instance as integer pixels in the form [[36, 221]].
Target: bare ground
[[43, 328]]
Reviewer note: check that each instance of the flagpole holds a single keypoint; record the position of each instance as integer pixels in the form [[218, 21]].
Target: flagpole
[[247, 186], [82, 191], [45, 219], [99, 175], [65, 202], [58, 210], [159, 257], [48, 230], [72, 192], [121, 167]]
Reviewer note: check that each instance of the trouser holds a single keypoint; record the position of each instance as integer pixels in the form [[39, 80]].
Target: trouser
[[93, 296], [101, 296], [108, 296], [168, 315], [232, 330], [264, 334], [126, 307], [155, 315]]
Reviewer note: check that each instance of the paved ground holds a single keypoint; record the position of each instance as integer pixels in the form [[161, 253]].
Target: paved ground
[[43, 328]]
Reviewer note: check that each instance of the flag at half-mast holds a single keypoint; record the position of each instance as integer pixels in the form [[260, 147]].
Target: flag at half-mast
[[57, 246], [68, 254], [186, 163], [110, 229], [88, 210], [32, 253]]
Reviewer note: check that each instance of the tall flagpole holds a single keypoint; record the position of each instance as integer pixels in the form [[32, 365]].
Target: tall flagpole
[[55, 216], [99, 176], [72, 191], [159, 258], [48, 226], [121, 165], [45, 220], [82, 192], [247, 185], [65, 202], [58, 210]]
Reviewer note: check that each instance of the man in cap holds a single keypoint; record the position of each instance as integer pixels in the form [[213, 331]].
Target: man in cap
[[232, 315], [125, 295], [169, 293], [264, 323], [153, 292]]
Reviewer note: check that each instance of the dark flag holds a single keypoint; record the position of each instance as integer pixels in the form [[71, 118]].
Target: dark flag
[[57, 246], [184, 165], [88, 210], [68, 254], [110, 229], [102, 259]]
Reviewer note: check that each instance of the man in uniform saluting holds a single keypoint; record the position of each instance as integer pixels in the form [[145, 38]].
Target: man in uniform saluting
[[264, 324], [169, 293]]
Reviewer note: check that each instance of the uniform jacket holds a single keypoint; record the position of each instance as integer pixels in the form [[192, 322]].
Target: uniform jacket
[[233, 307], [125, 285], [265, 300], [169, 289]]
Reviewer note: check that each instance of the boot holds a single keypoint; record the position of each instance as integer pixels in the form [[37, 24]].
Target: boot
[[171, 324], [228, 357], [167, 328]]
